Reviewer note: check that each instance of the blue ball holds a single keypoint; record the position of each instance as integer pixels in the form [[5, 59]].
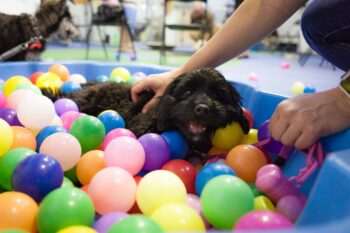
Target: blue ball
[[102, 78], [47, 131], [210, 171], [37, 175], [177, 144], [70, 86], [111, 120], [309, 89]]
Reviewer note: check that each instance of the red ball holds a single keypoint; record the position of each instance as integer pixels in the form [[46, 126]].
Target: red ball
[[185, 171], [135, 208], [249, 116], [34, 76]]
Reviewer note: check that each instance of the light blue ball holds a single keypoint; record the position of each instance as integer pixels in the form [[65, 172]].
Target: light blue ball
[[111, 120], [70, 86]]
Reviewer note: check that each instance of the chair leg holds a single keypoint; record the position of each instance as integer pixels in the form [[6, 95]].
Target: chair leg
[[88, 34], [104, 46]]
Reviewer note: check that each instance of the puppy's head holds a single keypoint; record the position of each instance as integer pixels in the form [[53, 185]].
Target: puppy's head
[[197, 104]]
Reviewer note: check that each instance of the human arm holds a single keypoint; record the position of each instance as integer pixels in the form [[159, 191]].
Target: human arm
[[302, 120], [251, 22]]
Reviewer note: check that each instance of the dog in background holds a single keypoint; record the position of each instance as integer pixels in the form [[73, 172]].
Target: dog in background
[[195, 104]]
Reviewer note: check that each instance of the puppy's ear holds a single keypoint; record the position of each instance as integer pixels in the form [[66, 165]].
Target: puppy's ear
[[242, 120], [163, 112], [171, 87]]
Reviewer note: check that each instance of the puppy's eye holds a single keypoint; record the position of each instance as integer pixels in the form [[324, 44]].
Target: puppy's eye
[[187, 93]]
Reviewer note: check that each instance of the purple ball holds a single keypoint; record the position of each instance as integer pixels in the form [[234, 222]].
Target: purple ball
[[103, 224], [262, 220], [10, 116], [263, 132], [64, 105], [157, 151]]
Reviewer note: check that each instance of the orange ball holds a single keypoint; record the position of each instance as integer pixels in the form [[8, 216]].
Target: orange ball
[[18, 211], [23, 138], [246, 160], [60, 70], [216, 151], [135, 208], [89, 164], [34, 76]]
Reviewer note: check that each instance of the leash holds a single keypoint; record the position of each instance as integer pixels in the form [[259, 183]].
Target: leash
[[33, 42]]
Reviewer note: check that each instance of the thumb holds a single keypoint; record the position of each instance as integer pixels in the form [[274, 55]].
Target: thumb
[[150, 104]]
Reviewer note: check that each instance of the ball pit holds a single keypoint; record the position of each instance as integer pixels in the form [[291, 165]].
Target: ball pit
[[319, 198]]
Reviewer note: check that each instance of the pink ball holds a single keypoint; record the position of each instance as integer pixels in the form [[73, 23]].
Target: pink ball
[[116, 133], [15, 97], [112, 189], [194, 202], [125, 152], [285, 65], [262, 220], [2, 99], [69, 117], [64, 147]]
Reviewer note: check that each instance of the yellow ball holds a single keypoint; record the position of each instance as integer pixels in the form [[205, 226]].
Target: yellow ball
[[298, 88], [49, 80], [228, 137], [263, 203], [122, 73], [6, 137], [13, 82], [77, 229], [158, 188], [177, 217], [250, 138]]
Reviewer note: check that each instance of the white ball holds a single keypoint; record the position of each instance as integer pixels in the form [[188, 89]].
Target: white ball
[[77, 78]]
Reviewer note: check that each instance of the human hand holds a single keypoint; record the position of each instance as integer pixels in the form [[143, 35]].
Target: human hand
[[302, 120], [156, 83]]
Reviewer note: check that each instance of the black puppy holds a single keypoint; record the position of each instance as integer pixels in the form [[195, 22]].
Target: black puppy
[[195, 104]]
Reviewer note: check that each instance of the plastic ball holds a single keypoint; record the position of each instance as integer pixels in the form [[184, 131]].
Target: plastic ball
[[309, 89], [10, 116], [111, 120], [263, 220], [2, 99], [249, 116], [89, 164], [177, 144], [290, 207], [70, 86], [136, 223], [89, 131], [112, 189], [9, 162], [139, 74], [6, 136], [67, 183], [35, 111], [64, 147], [47, 131], [60, 70], [64, 105], [263, 203], [101, 78], [122, 73], [13, 82], [228, 137], [210, 171], [246, 160], [224, 200], [23, 138], [214, 151], [16, 96], [156, 151], [50, 81], [18, 211], [115, 133], [77, 229], [116, 79], [178, 217], [125, 152], [69, 117], [194, 202], [103, 224], [298, 88], [37, 175], [273, 146], [77, 78], [72, 175], [170, 189], [34, 76], [285, 65], [29, 87], [53, 211], [185, 171]]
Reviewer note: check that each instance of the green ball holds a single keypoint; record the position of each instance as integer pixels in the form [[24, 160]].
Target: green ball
[[71, 174], [225, 199], [136, 223], [67, 183], [89, 131], [255, 191], [116, 79], [65, 207], [30, 87], [8, 163], [13, 231]]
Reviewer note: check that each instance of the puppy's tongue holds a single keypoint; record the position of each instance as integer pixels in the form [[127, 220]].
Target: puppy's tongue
[[196, 127]]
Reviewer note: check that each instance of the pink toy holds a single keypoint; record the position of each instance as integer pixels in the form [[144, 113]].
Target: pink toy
[[2, 99], [271, 181], [290, 207]]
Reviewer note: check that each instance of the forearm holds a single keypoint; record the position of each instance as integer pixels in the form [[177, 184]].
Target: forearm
[[250, 23]]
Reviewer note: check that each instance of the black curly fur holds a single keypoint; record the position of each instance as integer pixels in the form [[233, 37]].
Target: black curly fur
[[202, 97]]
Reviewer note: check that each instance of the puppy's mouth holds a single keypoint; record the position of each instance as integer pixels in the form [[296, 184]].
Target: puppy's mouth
[[196, 128]]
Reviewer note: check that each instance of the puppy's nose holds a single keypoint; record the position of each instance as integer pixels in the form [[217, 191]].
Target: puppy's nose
[[201, 109]]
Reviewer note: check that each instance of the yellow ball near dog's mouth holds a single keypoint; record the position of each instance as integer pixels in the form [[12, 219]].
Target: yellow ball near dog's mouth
[[196, 128]]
